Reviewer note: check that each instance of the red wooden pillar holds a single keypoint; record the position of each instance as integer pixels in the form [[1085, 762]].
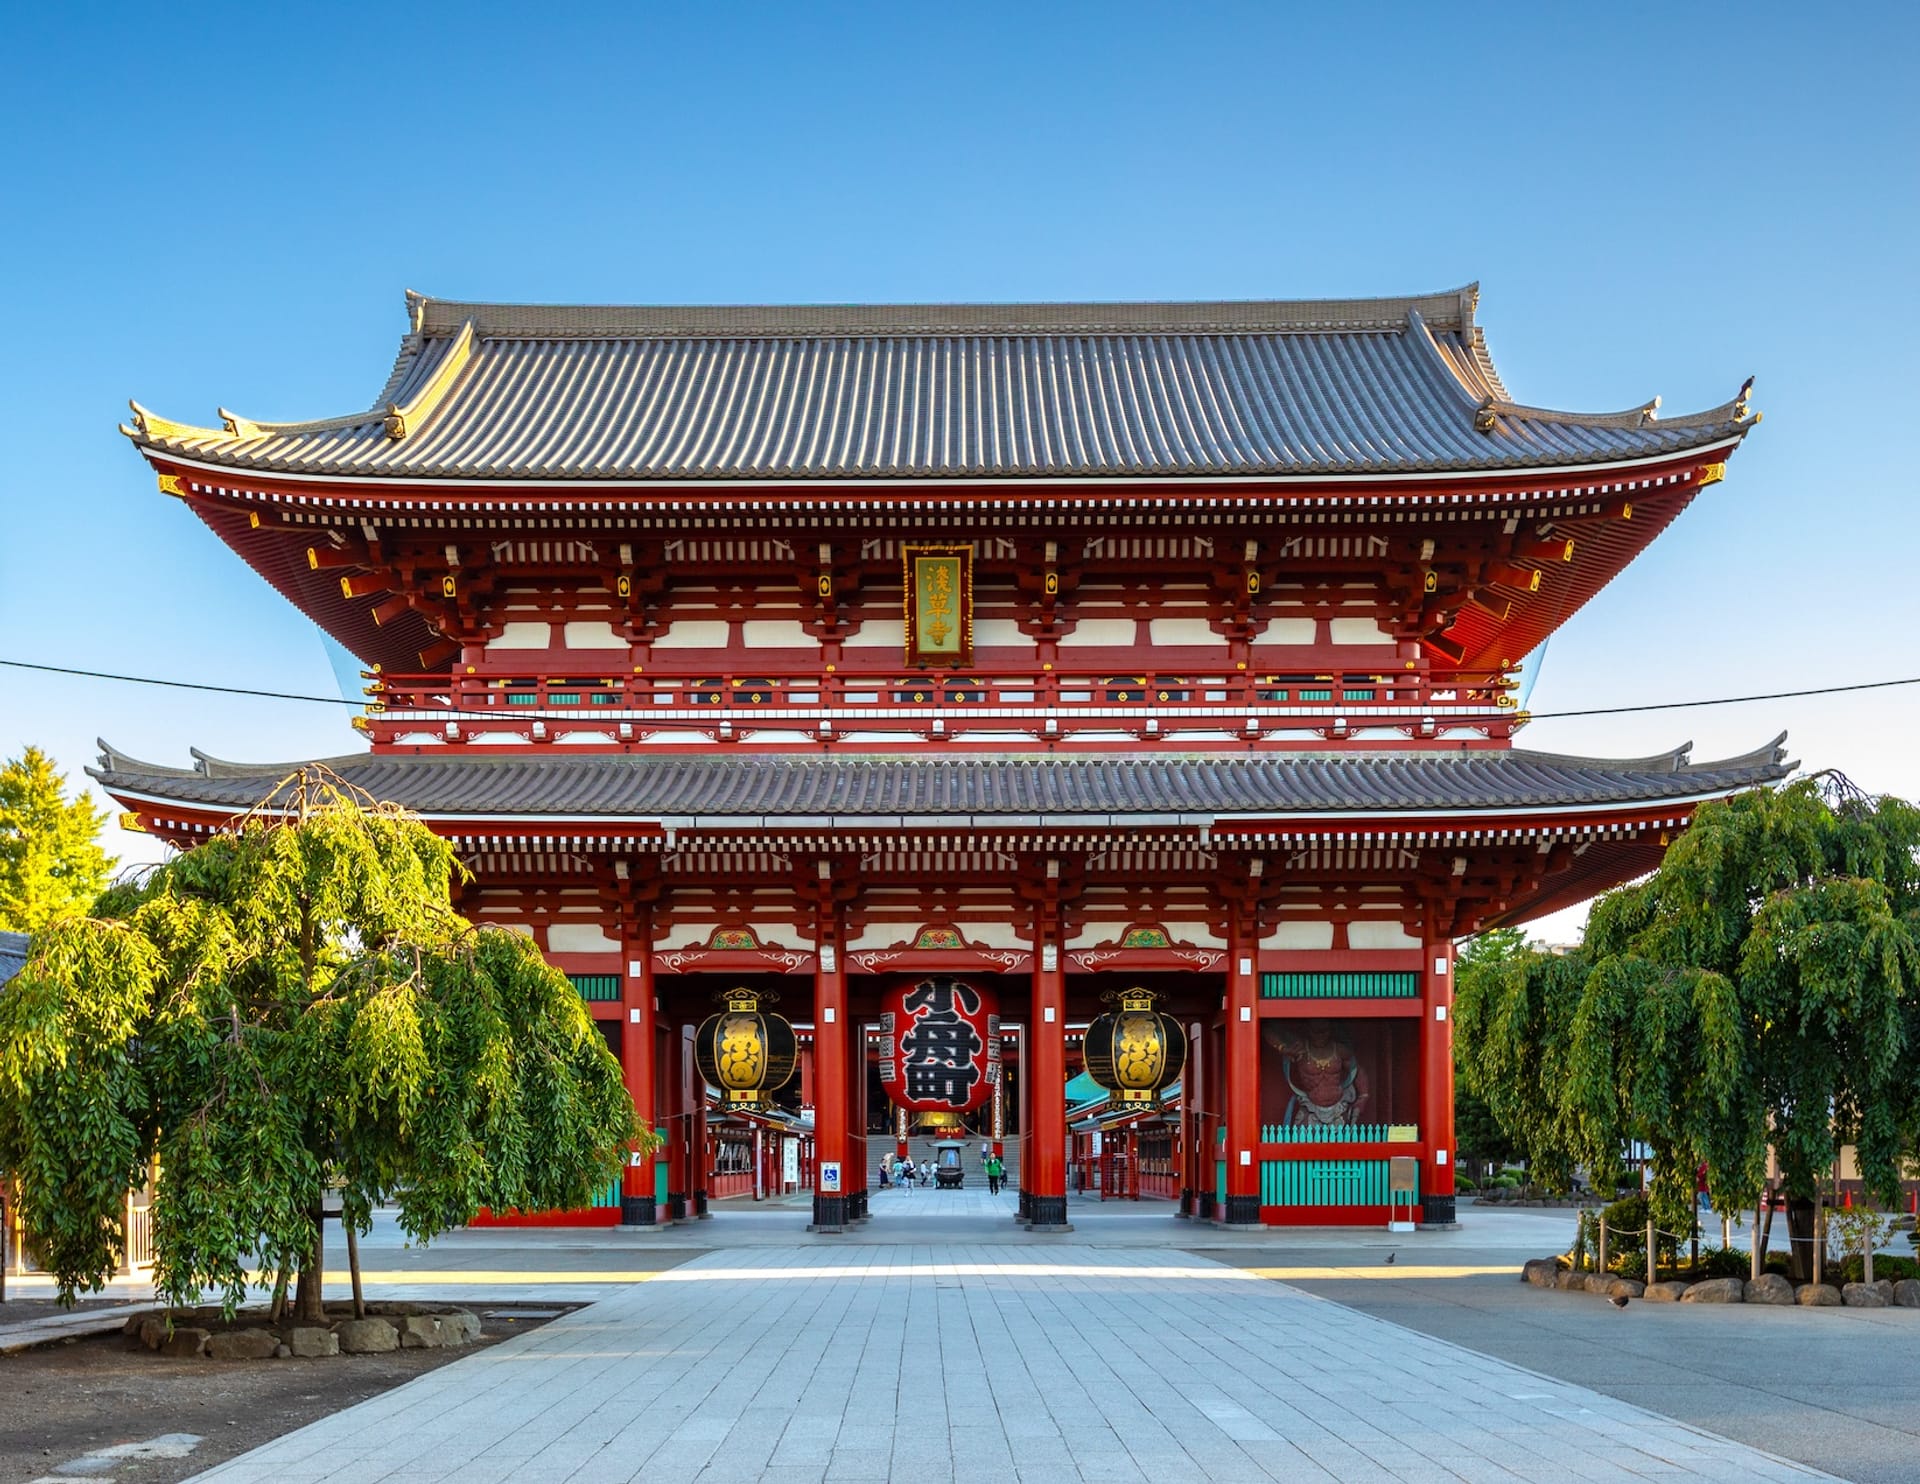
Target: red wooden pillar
[[637, 1063], [673, 1155], [1024, 1060], [1046, 1182], [1436, 1086], [1192, 1101], [853, 1179], [830, 1065], [1243, 1069]]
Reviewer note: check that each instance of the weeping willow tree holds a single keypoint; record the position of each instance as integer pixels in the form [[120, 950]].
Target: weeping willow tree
[[1762, 988], [286, 1010]]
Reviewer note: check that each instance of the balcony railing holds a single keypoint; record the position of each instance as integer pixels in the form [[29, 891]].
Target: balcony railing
[[1045, 707]]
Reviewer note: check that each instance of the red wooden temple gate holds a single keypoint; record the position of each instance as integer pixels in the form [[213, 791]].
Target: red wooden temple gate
[[1055, 648]]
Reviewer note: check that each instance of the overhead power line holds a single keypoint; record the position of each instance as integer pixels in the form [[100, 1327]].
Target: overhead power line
[[281, 695]]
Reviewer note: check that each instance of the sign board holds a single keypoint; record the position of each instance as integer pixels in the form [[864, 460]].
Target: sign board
[[1402, 1175], [790, 1160], [1403, 1133], [830, 1177]]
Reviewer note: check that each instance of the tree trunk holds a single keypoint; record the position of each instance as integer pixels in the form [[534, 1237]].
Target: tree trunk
[[308, 1302], [353, 1266], [1800, 1237], [1766, 1231]]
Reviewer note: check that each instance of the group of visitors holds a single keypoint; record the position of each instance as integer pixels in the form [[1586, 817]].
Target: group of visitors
[[903, 1171]]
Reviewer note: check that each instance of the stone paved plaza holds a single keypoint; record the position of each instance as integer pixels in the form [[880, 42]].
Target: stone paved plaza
[[954, 1359]]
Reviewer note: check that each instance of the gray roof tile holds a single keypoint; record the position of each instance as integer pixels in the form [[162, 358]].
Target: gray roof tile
[[748, 788], [932, 391]]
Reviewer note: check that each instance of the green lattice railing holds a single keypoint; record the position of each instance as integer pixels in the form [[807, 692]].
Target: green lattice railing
[[608, 1197], [1326, 1182], [600, 987], [1401, 985], [1352, 1133]]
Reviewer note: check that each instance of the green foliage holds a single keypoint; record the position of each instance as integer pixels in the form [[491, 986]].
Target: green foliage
[[285, 1009], [1762, 986], [51, 861]]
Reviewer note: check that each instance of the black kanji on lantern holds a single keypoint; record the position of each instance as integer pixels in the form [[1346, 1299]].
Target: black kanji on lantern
[[941, 1048]]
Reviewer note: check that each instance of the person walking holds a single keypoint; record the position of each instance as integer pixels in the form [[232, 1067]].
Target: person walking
[[905, 1171], [996, 1171]]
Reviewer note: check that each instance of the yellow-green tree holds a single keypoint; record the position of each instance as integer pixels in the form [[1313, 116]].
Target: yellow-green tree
[[51, 861], [287, 1009]]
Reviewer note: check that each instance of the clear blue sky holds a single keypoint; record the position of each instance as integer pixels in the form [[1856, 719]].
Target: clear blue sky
[[209, 205]]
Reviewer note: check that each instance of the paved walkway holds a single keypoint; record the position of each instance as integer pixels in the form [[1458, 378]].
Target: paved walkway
[[962, 1362]]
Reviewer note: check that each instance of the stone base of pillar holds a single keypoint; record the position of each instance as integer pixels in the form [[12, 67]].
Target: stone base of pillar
[[1242, 1213], [857, 1206], [1207, 1205], [1186, 1202], [1047, 1213], [638, 1210], [700, 1205], [1020, 1211], [677, 1204], [829, 1214], [1438, 1211]]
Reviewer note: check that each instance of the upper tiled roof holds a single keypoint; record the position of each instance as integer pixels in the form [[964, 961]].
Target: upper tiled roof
[[1300, 387], [745, 790]]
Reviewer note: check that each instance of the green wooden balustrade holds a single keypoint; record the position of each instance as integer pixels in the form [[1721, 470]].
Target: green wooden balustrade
[[602, 987], [1352, 1133], [1396, 985], [1325, 1182]]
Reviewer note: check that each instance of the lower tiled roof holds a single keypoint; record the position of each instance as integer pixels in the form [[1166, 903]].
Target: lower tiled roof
[[744, 788]]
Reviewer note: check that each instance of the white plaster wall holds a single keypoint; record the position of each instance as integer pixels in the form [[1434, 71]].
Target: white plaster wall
[[1190, 632], [1000, 633], [579, 937], [586, 634], [1099, 633], [521, 636], [1357, 631], [1285, 631], [1379, 935], [776, 633], [879, 633], [1300, 935]]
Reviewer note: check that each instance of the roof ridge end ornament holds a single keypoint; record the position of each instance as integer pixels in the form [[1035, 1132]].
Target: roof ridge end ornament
[[416, 309], [149, 424], [401, 420]]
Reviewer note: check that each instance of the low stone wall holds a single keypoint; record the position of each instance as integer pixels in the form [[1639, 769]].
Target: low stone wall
[[248, 1336], [1770, 1288]]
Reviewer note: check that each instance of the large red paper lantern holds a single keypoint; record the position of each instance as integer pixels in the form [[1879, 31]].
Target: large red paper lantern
[[939, 1046]]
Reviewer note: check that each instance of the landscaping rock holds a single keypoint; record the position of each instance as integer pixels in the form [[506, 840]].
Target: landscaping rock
[[1626, 1288], [1864, 1296], [468, 1325], [1906, 1293], [310, 1343], [243, 1344], [1669, 1292], [1541, 1272], [1817, 1296], [187, 1339], [1570, 1279], [1770, 1288], [367, 1336], [424, 1332], [282, 1351], [153, 1330], [1716, 1291], [1597, 1282]]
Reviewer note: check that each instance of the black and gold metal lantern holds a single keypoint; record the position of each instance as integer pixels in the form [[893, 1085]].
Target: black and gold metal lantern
[[746, 1052], [1135, 1052]]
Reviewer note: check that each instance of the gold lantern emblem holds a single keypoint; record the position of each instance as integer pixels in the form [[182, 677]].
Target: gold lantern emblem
[[1135, 1052], [745, 1052]]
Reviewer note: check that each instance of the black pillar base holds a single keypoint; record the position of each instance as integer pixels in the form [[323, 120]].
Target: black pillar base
[[1024, 1208], [638, 1210], [829, 1214], [700, 1205], [1207, 1205], [1243, 1210], [677, 1204], [1047, 1213], [857, 1206], [1186, 1202], [1437, 1210]]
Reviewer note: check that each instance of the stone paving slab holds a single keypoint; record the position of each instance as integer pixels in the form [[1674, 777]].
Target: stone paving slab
[[962, 1362]]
